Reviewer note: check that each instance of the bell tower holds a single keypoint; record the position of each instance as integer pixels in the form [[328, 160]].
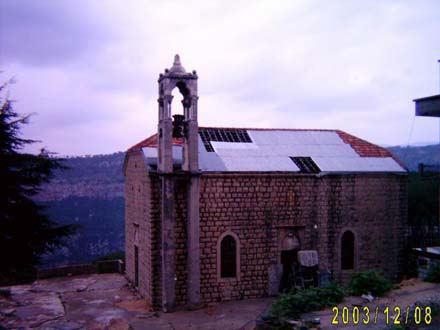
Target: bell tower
[[186, 82], [186, 128]]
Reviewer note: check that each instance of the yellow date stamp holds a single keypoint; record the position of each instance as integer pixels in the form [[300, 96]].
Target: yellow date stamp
[[388, 315]]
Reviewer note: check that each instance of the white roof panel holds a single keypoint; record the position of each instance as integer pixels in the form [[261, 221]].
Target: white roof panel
[[259, 164], [286, 137], [210, 161], [150, 152], [270, 150], [151, 155], [357, 164], [218, 146], [284, 150]]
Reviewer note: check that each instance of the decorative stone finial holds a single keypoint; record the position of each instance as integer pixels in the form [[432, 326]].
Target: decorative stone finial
[[177, 66]]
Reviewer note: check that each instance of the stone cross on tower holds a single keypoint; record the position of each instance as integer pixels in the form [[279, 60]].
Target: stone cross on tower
[[186, 82]]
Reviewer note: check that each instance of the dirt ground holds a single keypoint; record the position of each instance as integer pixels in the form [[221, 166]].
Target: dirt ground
[[106, 301]]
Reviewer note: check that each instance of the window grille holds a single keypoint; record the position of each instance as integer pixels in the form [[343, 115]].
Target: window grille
[[223, 135], [306, 164]]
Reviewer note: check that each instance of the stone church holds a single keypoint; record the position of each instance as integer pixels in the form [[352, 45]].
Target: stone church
[[215, 214]]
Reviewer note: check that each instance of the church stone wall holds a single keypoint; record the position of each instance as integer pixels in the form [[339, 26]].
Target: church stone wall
[[374, 208], [138, 217], [258, 207], [252, 207]]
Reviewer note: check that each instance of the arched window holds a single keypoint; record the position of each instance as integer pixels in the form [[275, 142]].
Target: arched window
[[228, 257], [347, 250]]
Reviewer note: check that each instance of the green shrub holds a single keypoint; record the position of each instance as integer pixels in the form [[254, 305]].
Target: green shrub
[[291, 305], [368, 281], [433, 273], [331, 294]]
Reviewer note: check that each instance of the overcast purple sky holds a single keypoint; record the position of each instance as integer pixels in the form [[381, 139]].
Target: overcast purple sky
[[89, 69]]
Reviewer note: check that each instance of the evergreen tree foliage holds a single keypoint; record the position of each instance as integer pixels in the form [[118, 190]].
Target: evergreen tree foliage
[[26, 233]]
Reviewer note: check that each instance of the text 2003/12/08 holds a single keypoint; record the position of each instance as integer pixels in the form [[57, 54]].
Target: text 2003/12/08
[[393, 315]]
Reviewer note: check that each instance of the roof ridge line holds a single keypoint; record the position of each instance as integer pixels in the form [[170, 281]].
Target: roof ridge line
[[270, 129]]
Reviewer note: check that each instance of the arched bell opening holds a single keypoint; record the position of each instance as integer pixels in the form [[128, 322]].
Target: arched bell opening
[[181, 113]]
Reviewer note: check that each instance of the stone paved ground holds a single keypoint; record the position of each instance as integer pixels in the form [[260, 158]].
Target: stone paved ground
[[106, 301]]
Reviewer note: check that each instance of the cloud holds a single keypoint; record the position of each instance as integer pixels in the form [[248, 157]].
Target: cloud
[[90, 68], [48, 33]]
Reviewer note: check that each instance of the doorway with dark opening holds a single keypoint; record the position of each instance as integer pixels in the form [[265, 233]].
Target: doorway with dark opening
[[289, 260]]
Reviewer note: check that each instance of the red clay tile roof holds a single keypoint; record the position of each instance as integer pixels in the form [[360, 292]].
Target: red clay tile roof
[[152, 143], [366, 149], [362, 147]]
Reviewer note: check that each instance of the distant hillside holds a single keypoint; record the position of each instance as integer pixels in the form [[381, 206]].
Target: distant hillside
[[412, 156], [100, 230], [97, 176], [91, 195]]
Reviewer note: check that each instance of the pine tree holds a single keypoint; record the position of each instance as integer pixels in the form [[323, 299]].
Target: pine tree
[[26, 233]]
